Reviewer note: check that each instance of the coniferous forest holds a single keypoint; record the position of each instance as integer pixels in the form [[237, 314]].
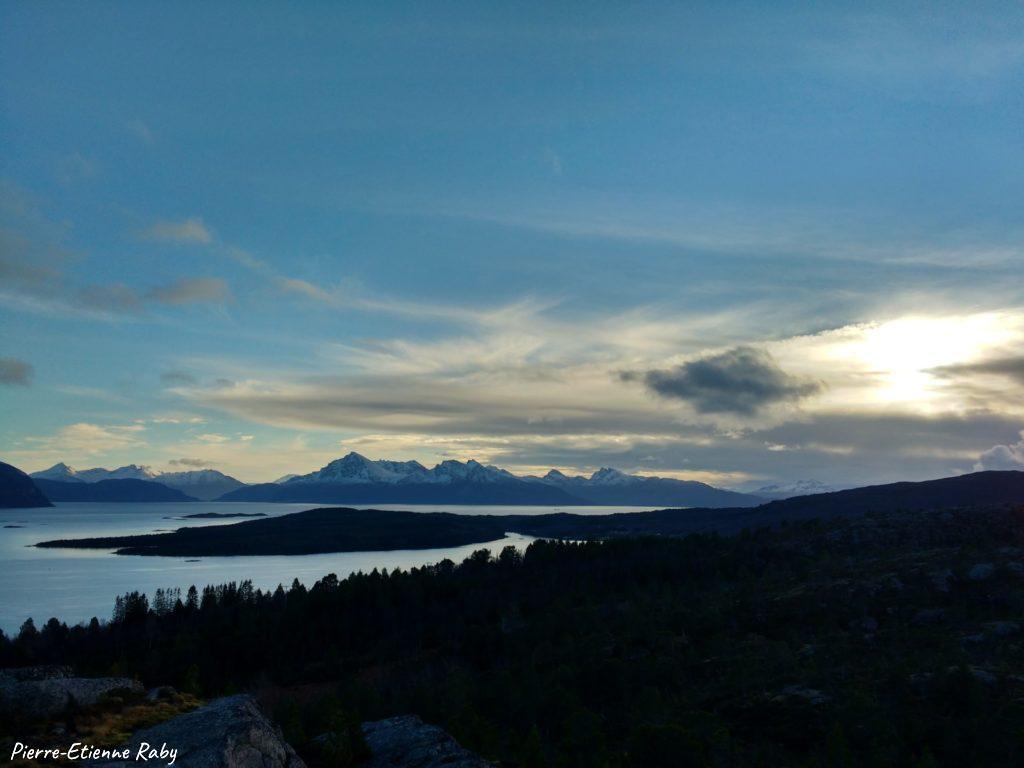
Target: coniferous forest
[[885, 640]]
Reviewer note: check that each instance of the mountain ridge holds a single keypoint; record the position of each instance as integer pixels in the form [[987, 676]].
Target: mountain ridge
[[356, 479], [124, 490], [203, 484]]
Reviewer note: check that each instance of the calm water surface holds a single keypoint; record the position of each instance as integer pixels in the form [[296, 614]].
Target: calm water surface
[[75, 585]]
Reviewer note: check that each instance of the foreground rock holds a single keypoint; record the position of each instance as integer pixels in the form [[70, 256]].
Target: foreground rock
[[49, 691], [227, 733], [408, 742]]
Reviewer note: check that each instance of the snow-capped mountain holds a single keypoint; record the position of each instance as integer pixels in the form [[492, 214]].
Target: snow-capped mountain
[[609, 476], [355, 468], [61, 472], [471, 471], [129, 472], [203, 484], [356, 479], [789, 490], [612, 486], [65, 474]]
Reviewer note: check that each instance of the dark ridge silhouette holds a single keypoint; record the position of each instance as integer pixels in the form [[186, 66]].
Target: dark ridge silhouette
[[657, 491], [110, 490], [17, 489], [990, 488]]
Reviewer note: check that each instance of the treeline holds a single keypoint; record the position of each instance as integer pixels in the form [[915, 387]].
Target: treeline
[[791, 647]]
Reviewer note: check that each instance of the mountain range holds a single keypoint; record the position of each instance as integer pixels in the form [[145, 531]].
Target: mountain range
[[355, 479], [201, 484]]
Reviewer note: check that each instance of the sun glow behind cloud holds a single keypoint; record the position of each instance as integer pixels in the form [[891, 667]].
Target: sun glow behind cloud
[[901, 355]]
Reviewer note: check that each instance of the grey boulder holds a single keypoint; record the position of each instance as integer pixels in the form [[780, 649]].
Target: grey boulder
[[230, 732], [408, 742]]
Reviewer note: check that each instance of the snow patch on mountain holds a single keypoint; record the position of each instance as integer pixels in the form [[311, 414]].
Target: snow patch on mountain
[[355, 468], [796, 488], [65, 474]]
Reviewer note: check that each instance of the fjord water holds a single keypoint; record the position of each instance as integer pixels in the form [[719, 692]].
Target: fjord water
[[74, 585]]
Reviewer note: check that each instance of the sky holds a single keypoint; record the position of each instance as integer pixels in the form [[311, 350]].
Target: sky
[[744, 243]]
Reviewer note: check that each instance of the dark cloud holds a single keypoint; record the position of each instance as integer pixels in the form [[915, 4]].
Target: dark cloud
[[193, 463], [1012, 367], [191, 290], [14, 372], [742, 381], [177, 378]]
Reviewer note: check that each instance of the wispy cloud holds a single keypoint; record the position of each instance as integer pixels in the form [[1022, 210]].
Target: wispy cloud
[[191, 290], [114, 298], [188, 231], [82, 439], [918, 50], [178, 378], [541, 390], [307, 289], [76, 168], [553, 161], [761, 232]]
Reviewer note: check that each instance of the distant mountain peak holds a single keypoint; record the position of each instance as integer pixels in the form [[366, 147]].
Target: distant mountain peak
[[127, 472], [355, 468], [609, 476], [59, 471]]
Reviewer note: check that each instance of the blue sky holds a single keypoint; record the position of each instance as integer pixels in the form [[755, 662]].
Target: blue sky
[[255, 238]]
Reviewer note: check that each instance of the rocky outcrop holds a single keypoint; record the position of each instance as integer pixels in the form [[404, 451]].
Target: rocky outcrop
[[226, 733], [49, 691], [408, 742]]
